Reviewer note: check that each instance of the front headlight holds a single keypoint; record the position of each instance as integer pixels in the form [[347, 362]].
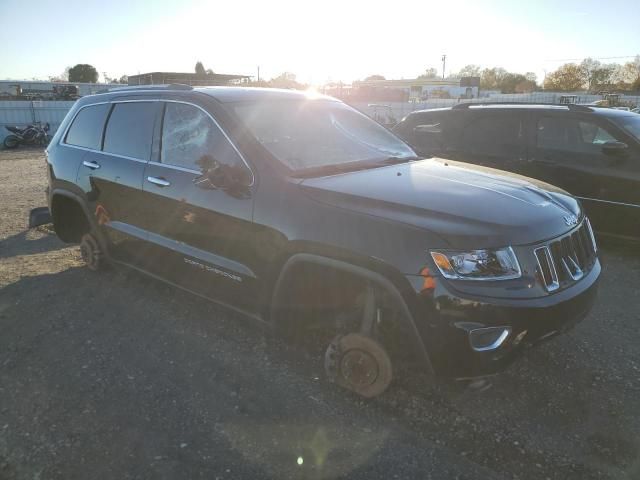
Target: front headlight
[[489, 264]]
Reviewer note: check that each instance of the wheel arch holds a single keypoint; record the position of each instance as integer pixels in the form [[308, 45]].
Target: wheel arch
[[278, 297], [68, 198]]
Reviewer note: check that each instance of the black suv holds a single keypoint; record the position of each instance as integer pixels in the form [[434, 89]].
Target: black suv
[[311, 218], [593, 153]]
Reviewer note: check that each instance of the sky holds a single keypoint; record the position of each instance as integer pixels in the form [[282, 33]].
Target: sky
[[319, 41]]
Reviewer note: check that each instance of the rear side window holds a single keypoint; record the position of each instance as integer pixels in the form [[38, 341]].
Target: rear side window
[[190, 139], [494, 135], [86, 129], [130, 129]]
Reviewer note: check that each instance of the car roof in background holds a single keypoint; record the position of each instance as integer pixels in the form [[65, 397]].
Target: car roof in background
[[531, 106]]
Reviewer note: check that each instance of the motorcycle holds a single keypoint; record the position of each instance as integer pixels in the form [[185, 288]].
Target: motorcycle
[[35, 134]]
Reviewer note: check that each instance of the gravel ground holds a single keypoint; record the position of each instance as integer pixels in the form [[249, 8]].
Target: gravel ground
[[114, 375]]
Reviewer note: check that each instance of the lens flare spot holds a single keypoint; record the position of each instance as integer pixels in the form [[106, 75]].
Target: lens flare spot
[[300, 460]]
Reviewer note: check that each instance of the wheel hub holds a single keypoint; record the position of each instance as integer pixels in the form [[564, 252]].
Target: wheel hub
[[359, 368], [358, 363], [90, 252]]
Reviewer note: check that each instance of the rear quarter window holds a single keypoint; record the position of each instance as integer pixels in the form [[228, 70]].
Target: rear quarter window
[[86, 129]]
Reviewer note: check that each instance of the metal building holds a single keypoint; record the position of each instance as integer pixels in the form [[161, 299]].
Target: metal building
[[208, 79]]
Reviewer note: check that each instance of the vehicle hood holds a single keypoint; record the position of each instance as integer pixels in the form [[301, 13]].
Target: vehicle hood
[[467, 206]]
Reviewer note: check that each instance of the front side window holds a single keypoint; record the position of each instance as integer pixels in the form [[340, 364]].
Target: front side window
[[592, 134], [311, 133], [571, 135], [191, 140], [86, 129], [630, 124], [130, 129]]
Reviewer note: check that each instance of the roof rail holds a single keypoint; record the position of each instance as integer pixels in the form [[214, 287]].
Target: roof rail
[[168, 86], [580, 108], [570, 106]]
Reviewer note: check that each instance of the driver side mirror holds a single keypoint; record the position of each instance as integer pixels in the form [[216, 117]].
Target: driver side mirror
[[215, 175], [614, 148]]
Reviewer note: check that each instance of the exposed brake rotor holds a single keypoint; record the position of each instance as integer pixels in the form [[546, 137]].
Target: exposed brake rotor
[[358, 363], [90, 252]]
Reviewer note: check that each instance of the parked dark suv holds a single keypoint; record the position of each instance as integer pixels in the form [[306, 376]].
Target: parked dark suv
[[310, 217], [593, 153]]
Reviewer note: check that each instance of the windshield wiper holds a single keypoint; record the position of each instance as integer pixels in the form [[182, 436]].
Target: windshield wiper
[[393, 160], [352, 166], [333, 169]]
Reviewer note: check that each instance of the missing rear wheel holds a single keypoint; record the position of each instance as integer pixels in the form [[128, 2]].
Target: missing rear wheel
[[91, 253]]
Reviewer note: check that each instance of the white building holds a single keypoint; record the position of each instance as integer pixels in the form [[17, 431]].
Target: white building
[[9, 88]]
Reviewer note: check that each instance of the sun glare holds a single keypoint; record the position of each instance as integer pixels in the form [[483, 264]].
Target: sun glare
[[312, 93]]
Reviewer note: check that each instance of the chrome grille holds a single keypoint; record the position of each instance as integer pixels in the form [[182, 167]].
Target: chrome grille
[[566, 259]]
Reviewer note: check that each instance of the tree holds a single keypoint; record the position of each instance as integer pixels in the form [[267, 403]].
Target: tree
[[491, 78], [589, 68], [374, 77], [62, 77], [469, 71], [568, 78], [84, 73], [429, 73], [124, 79], [629, 73], [286, 80], [531, 77], [596, 75], [200, 68], [513, 83]]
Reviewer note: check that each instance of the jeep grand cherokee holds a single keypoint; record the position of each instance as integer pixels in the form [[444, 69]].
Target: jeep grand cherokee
[[308, 216]]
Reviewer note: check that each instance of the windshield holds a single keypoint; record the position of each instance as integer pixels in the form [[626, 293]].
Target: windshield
[[630, 124], [310, 134]]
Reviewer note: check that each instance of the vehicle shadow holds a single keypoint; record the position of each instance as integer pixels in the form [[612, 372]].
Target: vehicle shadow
[[24, 243], [149, 379]]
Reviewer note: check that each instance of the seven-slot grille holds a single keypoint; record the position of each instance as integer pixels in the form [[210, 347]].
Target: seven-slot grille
[[567, 259]]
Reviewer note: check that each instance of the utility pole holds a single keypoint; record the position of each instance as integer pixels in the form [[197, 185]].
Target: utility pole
[[104, 74], [258, 73], [444, 61]]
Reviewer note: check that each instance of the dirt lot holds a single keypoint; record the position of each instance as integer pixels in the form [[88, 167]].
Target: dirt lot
[[118, 376]]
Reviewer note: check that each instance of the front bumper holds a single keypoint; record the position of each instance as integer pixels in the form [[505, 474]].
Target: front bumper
[[446, 318]]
